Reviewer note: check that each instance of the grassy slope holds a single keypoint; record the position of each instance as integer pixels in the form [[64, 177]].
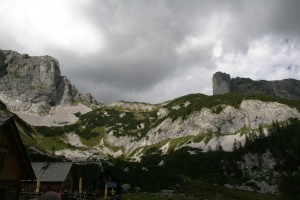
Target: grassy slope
[[283, 143], [97, 123], [199, 190]]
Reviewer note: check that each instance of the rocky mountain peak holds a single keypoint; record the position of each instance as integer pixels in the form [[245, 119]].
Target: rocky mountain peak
[[139, 106], [221, 83], [35, 84]]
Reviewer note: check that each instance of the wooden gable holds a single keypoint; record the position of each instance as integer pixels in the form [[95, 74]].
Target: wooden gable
[[14, 163]]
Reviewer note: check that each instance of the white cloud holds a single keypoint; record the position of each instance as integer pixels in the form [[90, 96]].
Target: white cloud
[[217, 50], [38, 25], [268, 58], [156, 50]]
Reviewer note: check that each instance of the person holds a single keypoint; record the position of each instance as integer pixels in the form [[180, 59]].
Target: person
[[112, 192], [60, 194]]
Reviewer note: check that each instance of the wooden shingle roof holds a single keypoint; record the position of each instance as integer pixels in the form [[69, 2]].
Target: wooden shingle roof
[[51, 171]]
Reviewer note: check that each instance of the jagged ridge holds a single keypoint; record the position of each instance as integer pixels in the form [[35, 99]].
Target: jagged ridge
[[35, 83], [287, 88]]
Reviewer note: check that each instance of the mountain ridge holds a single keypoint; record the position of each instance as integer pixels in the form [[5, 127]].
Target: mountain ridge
[[35, 83], [182, 134], [286, 88]]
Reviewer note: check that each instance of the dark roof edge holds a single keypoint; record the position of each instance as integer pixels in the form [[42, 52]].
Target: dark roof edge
[[23, 158]]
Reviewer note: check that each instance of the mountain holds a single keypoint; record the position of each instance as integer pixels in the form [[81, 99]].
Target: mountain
[[32, 86], [241, 140], [245, 141], [287, 88]]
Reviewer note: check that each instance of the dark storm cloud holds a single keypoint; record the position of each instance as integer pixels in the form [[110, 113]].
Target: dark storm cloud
[[142, 37], [142, 41], [286, 18], [140, 50]]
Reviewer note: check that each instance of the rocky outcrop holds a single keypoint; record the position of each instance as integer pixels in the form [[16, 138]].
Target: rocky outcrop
[[287, 88], [35, 84], [133, 105], [221, 83], [230, 120]]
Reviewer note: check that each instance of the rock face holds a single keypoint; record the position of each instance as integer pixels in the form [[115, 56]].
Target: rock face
[[287, 88], [133, 105], [230, 120], [35, 83], [221, 83]]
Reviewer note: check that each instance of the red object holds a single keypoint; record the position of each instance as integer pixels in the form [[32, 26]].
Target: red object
[[60, 194]]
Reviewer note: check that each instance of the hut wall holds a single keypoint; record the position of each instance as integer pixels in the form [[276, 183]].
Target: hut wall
[[10, 171]]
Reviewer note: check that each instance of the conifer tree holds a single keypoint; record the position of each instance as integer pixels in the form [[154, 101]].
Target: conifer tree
[[261, 133], [240, 145], [209, 149], [235, 145], [247, 140], [219, 147]]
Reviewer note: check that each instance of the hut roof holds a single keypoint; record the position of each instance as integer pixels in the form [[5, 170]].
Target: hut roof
[[9, 129], [51, 171]]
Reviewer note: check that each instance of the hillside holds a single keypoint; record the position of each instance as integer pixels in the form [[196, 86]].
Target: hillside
[[197, 121], [240, 140], [287, 88], [217, 139], [32, 87]]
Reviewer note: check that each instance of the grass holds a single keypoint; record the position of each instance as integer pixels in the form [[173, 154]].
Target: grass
[[47, 143], [199, 190], [91, 142], [208, 137], [95, 140], [177, 142], [152, 196], [199, 138]]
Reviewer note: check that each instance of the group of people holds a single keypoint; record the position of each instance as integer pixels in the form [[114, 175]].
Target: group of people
[[86, 194]]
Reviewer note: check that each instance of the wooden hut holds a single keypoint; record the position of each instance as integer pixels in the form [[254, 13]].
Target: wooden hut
[[53, 176], [107, 180], [14, 163]]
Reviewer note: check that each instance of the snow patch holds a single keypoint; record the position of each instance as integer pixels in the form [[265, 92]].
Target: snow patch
[[58, 116], [164, 149], [114, 154], [73, 139], [137, 157], [191, 152], [161, 163], [162, 112], [226, 141], [133, 105], [141, 126], [186, 104], [177, 107], [145, 169], [75, 155]]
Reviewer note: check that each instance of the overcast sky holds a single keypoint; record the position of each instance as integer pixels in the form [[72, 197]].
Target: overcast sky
[[156, 50]]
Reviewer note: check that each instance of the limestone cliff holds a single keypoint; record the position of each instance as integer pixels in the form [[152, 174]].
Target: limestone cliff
[[35, 83], [221, 83], [250, 114], [133, 106], [287, 88]]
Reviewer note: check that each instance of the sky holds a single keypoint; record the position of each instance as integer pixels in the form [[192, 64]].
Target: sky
[[156, 50]]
